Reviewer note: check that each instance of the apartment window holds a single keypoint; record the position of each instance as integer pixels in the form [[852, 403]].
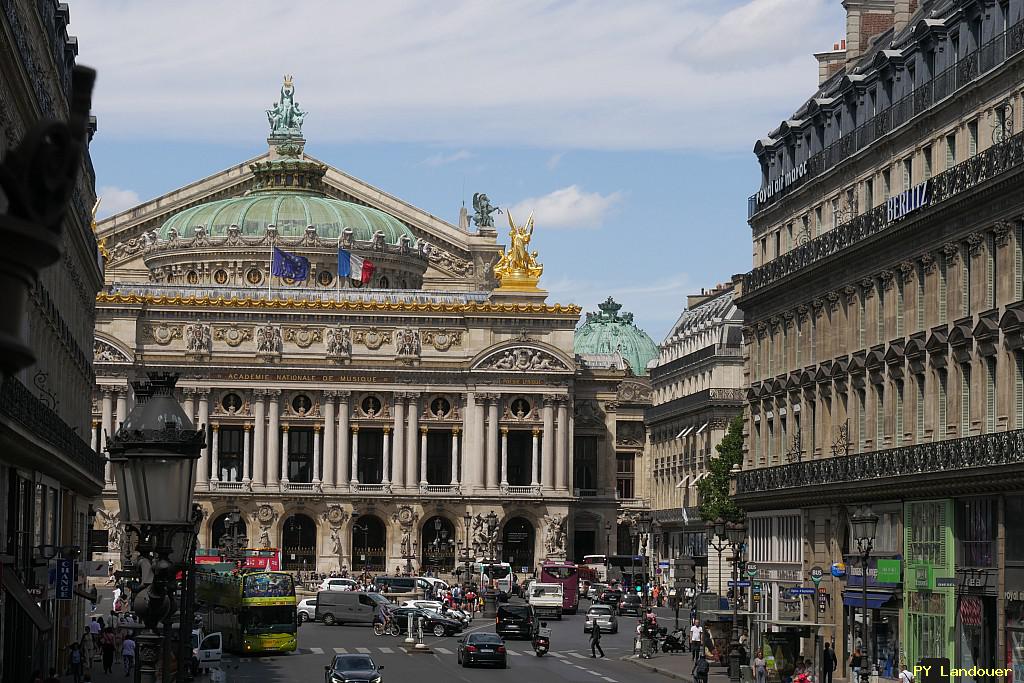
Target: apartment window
[[879, 417], [990, 394], [806, 221], [976, 518], [869, 194], [943, 401], [862, 420], [778, 243], [1018, 389], [756, 446], [919, 411], [990, 270], [1018, 261], [789, 237], [764, 250], [908, 172], [955, 44], [625, 465], [951, 150], [851, 202], [943, 275], [880, 314], [818, 227], [919, 297], [899, 307], [861, 319], [972, 137], [897, 437], [835, 211], [965, 399], [886, 185], [927, 158], [799, 342], [965, 284]]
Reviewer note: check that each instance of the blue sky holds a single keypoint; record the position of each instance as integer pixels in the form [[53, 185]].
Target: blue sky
[[627, 126]]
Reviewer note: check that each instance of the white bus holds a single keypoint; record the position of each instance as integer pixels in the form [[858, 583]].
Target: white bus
[[496, 574]]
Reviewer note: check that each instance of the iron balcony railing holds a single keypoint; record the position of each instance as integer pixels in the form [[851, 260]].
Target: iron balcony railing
[[968, 68], [997, 159], [952, 455], [19, 405]]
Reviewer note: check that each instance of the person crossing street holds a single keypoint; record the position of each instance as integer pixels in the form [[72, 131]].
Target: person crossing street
[[595, 640]]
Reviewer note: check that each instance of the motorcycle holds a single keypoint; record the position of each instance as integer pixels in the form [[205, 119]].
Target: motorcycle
[[542, 640], [673, 642]]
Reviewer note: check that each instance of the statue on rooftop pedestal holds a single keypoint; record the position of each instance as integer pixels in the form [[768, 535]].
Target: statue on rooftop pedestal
[[518, 269], [285, 116]]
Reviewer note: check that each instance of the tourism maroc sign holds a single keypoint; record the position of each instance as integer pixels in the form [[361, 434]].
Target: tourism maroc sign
[[908, 201]]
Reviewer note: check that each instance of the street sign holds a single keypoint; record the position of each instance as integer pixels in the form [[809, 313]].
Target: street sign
[[741, 584], [816, 574], [751, 569], [802, 591], [65, 578], [685, 562]]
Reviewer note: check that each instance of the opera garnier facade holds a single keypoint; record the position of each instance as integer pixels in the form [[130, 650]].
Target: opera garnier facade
[[375, 382]]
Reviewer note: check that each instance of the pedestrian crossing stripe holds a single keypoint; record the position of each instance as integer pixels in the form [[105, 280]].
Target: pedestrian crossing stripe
[[558, 654], [389, 651], [363, 650], [442, 650], [513, 652], [577, 655], [386, 650], [340, 651], [316, 650]]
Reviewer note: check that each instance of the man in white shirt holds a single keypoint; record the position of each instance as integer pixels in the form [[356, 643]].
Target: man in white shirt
[[695, 639], [905, 675]]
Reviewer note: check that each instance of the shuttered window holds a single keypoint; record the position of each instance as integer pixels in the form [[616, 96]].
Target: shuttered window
[[943, 277], [1018, 390], [880, 315], [908, 172], [965, 399], [942, 427], [919, 419], [972, 138], [900, 310], [965, 283], [1018, 261], [879, 417], [990, 394], [862, 420], [990, 270], [951, 150], [927, 156], [861, 314], [897, 437], [919, 298]]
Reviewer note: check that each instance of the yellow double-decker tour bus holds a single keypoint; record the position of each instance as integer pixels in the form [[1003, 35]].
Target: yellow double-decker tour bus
[[254, 610]]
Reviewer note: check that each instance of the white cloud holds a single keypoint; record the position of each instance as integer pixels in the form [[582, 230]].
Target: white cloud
[[115, 200], [590, 74], [569, 207], [441, 159], [554, 160]]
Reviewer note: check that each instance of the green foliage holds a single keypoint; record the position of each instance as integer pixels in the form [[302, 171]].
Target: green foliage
[[714, 489]]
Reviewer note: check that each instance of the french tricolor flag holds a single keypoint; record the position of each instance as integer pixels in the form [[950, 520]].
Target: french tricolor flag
[[354, 267]]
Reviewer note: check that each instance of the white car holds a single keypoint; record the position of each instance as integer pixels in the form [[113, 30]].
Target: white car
[[307, 609], [337, 583], [436, 606]]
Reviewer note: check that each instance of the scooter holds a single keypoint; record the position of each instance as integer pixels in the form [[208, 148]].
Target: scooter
[[673, 642], [542, 640]]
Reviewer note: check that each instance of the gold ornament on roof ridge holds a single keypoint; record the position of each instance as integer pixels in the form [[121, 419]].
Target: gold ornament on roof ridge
[[518, 269]]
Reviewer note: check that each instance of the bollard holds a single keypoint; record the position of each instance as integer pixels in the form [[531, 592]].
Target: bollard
[[409, 640], [420, 645]]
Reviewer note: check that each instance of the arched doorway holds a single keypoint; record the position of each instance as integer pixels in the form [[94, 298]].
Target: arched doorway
[[518, 540], [229, 529], [369, 538], [437, 541], [298, 543]]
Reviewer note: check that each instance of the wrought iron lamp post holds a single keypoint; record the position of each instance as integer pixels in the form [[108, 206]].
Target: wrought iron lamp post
[[643, 524], [232, 542], [736, 535], [365, 530], [153, 457], [634, 548], [467, 519], [608, 539], [716, 530], [655, 546], [864, 524]]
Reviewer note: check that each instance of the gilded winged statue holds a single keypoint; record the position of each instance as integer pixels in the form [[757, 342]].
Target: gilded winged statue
[[518, 264]]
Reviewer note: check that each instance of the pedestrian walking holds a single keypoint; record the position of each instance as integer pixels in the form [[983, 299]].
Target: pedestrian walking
[[88, 648], [700, 669], [595, 640], [696, 647], [760, 668], [829, 663], [905, 675], [75, 662], [128, 654], [107, 646]]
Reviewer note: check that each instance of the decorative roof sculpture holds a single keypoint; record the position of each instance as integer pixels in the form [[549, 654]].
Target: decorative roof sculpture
[[518, 269], [285, 116], [607, 332]]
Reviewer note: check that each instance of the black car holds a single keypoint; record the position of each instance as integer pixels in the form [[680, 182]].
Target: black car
[[611, 597], [351, 668], [482, 648], [516, 621], [432, 621], [630, 604]]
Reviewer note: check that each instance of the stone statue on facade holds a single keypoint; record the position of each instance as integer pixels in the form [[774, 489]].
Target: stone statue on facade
[[111, 521], [518, 267], [268, 339], [285, 116], [339, 343], [408, 343], [197, 338], [554, 535], [482, 205]]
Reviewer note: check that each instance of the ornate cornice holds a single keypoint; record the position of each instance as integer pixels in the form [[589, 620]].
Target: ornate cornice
[[850, 292], [886, 278], [974, 242], [905, 269], [1001, 230], [951, 252], [867, 287], [928, 262]]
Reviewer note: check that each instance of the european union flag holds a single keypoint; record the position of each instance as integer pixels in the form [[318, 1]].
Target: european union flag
[[290, 266]]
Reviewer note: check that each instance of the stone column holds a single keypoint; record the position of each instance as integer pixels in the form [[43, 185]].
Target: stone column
[[470, 453], [246, 452], [330, 454], [354, 476], [455, 456], [93, 440], [203, 475], [342, 434], [411, 454], [259, 454], [493, 463], [399, 439], [423, 459], [273, 437], [547, 451], [215, 453], [386, 478], [316, 453], [284, 454], [106, 419], [560, 442], [534, 464], [122, 408], [504, 456]]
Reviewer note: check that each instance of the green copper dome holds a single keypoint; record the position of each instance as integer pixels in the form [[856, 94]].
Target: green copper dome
[[291, 213], [607, 332]]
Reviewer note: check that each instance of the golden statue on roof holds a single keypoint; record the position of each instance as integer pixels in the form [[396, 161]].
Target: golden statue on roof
[[518, 269]]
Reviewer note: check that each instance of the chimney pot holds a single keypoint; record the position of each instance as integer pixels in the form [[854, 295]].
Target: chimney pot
[[843, 43], [835, 47]]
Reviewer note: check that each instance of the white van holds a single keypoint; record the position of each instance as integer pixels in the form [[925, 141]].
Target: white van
[[206, 650], [337, 583]]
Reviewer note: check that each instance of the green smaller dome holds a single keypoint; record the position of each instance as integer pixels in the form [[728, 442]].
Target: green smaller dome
[[607, 332]]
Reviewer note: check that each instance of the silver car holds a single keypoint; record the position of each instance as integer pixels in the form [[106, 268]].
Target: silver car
[[306, 609], [604, 617]]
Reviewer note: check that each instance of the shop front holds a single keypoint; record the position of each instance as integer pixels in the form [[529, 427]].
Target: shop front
[[1013, 595], [879, 637], [929, 582]]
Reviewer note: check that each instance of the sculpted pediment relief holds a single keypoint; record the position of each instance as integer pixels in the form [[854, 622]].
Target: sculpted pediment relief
[[521, 359]]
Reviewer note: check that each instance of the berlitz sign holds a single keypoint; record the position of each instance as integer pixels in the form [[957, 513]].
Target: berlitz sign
[[906, 202], [781, 183]]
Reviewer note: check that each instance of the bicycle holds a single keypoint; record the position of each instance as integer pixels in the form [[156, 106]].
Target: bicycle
[[388, 626]]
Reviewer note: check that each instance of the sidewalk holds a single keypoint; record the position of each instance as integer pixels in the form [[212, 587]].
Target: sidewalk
[[676, 666]]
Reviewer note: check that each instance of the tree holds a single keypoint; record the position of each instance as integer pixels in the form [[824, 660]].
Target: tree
[[715, 501]]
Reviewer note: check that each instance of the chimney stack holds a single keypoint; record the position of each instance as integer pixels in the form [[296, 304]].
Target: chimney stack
[[866, 19], [901, 15]]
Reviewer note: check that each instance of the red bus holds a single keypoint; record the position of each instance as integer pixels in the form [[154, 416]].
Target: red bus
[[265, 559], [567, 575]]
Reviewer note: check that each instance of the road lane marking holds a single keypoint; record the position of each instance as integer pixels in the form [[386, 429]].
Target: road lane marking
[[594, 672], [610, 680], [316, 650], [340, 651], [581, 668], [517, 654], [442, 650], [363, 650], [386, 650], [577, 655], [566, 661], [558, 654]]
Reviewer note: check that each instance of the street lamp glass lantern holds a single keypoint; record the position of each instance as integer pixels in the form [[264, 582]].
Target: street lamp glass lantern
[[633, 531], [153, 457], [644, 523], [736, 534], [864, 524]]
